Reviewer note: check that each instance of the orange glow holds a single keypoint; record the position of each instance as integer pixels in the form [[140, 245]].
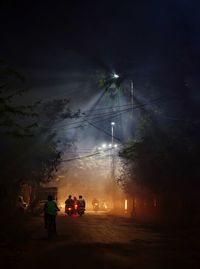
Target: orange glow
[[126, 204]]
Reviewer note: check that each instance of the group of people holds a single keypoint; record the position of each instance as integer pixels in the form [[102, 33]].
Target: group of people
[[74, 202], [51, 208]]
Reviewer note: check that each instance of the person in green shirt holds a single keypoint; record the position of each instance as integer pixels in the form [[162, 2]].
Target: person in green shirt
[[50, 213]]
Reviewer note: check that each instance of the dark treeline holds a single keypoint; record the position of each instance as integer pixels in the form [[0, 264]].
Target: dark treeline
[[30, 150], [161, 167]]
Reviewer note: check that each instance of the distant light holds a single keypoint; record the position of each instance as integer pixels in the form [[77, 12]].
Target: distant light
[[115, 75], [99, 148], [126, 204], [112, 123], [110, 145], [115, 145], [104, 146]]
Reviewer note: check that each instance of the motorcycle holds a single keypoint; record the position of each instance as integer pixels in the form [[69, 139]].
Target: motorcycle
[[80, 210], [96, 206], [69, 210]]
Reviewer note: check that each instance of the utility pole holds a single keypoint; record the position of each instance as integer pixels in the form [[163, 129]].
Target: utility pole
[[112, 152], [113, 165], [132, 96]]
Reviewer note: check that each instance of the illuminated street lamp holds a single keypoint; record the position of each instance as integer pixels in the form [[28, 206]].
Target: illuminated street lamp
[[115, 76], [112, 130], [104, 146]]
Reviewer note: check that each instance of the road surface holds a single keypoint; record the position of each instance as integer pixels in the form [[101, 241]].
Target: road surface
[[105, 241]]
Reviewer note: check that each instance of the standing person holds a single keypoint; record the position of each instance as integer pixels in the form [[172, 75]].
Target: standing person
[[50, 212]]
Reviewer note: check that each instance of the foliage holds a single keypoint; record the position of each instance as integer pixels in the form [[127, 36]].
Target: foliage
[[29, 146], [112, 86], [13, 116], [163, 159]]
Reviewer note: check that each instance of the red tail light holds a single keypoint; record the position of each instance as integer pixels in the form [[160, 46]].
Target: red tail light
[[76, 206]]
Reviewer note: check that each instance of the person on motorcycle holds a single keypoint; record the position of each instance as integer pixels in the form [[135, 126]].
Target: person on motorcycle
[[69, 202], [81, 201], [95, 201], [75, 204], [95, 204], [50, 212]]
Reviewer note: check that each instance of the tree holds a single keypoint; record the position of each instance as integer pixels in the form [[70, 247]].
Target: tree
[[164, 160], [13, 116], [29, 145]]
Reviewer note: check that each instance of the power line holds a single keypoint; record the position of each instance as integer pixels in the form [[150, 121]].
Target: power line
[[117, 113], [87, 156], [94, 117], [104, 108], [100, 114], [106, 113], [102, 130], [109, 113], [130, 104], [86, 123]]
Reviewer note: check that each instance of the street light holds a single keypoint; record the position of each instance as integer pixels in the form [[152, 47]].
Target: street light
[[115, 75], [112, 130], [104, 146]]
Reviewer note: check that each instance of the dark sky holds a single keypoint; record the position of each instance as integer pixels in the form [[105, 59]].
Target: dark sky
[[57, 44]]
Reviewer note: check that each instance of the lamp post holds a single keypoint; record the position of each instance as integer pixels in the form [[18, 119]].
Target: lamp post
[[112, 134], [112, 130], [132, 96], [113, 165], [115, 76]]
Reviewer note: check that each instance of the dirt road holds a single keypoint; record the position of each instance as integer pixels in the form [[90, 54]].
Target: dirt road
[[105, 241]]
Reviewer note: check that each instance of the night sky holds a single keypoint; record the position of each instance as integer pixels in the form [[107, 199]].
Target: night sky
[[60, 45]]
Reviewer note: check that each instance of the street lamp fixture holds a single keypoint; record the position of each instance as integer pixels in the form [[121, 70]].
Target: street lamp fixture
[[112, 130], [115, 76]]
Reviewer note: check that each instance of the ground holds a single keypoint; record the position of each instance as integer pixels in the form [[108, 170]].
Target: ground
[[101, 240]]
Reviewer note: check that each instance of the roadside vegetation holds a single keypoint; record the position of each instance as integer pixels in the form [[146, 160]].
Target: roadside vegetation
[[161, 169], [30, 149]]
